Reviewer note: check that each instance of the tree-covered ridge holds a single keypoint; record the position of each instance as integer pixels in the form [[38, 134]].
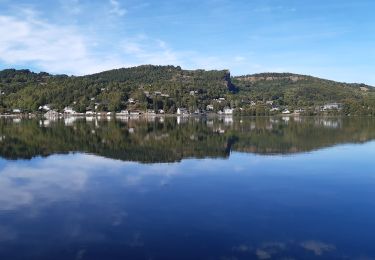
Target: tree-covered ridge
[[301, 91], [151, 87], [167, 88], [173, 139]]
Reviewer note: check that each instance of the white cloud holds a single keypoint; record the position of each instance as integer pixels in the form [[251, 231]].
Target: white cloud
[[51, 47], [239, 59], [28, 40], [116, 8], [144, 50]]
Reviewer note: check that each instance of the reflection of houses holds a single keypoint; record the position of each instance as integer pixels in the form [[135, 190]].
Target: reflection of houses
[[151, 112], [181, 120], [123, 113], [51, 114], [228, 111], [44, 123], [89, 113], [329, 123], [219, 130], [69, 121]]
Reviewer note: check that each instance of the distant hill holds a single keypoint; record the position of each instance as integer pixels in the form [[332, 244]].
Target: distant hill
[[169, 87], [297, 89]]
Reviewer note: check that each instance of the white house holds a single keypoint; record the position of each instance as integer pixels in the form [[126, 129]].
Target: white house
[[69, 110], [123, 113], [331, 106], [89, 113], [210, 107], [299, 110], [16, 110], [182, 111], [131, 101], [286, 111], [45, 108], [135, 113]]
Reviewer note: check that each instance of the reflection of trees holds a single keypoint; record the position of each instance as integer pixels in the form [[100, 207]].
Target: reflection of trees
[[169, 139]]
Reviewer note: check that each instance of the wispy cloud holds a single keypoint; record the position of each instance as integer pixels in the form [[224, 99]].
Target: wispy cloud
[[116, 8], [146, 50], [51, 47]]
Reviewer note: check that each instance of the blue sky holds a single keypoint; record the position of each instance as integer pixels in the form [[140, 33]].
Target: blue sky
[[333, 39]]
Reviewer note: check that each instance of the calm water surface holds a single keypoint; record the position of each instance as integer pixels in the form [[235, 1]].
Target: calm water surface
[[178, 188]]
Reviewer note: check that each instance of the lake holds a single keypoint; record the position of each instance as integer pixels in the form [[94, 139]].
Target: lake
[[187, 188]]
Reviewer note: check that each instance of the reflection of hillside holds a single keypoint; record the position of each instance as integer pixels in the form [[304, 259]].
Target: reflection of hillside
[[293, 135], [172, 139]]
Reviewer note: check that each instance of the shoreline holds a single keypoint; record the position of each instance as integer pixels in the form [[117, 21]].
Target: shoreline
[[113, 115]]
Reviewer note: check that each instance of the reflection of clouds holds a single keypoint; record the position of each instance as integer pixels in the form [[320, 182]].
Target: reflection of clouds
[[365, 258], [136, 241], [262, 254], [282, 250], [41, 181], [317, 247], [7, 234], [80, 254], [241, 248], [118, 218], [274, 245], [266, 250], [45, 180]]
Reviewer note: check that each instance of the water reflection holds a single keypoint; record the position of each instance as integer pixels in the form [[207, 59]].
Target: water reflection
[[244, 206], [171, 139]]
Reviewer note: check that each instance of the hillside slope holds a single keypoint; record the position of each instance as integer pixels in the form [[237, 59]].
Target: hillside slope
[[158, 87], [297, 89], [170, 87]]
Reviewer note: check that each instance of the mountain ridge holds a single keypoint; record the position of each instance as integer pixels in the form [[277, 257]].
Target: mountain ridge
[[167, 88]]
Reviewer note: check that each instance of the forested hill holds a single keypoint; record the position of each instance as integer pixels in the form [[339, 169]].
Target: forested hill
[[169, 87], [151, 87], [297, 89]]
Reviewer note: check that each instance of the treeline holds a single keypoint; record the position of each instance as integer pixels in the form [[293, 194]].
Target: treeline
[[168, 88]]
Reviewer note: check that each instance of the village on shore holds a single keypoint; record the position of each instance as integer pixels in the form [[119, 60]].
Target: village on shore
[[49, 112]]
